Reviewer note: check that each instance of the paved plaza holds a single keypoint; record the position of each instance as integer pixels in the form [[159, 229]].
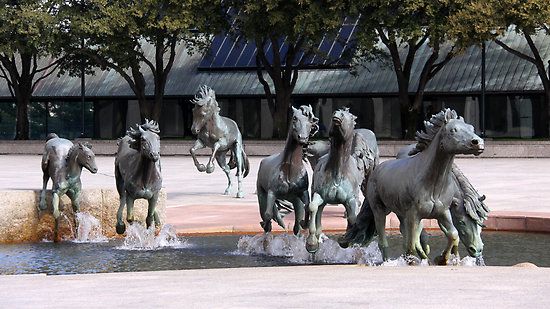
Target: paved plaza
[[514, 187]]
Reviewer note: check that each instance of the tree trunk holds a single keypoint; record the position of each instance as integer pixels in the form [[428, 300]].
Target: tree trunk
[[22, 117], [280, 118], [546, 112]]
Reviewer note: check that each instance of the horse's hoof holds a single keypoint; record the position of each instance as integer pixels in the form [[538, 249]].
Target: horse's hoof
[[201, 167], [312, 245], [42, 206], [343, 243], [226, 192], [120, 228], [209, 168], [440, 260], [266, 226], [240, 194]]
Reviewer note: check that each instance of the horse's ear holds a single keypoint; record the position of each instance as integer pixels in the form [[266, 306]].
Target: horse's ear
[[450, 114]]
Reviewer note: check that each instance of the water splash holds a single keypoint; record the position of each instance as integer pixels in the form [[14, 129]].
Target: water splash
[[140, 238], [88, 229], [65, 236], [294, 247]]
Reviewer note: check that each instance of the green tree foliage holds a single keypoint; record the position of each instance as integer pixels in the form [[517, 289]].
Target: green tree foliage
[[481, 20], [301, 24], [396, 30], [117, 35], [28, 33]]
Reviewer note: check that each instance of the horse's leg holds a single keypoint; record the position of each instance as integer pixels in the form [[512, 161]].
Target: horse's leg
[[351, 206], [130, 209], [240, 167], [446, 225], [220, 157], [120, 226], [318, 220], [42, 204], [262, 201], [198, 145], [210, 165], [151, 210], [413, 227], [312, 242], [299, 211], [305, 218], [380, 225], [74, 195]]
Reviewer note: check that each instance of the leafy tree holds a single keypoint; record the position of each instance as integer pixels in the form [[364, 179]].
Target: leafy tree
[[116, 35], [396, 30], [299, 26], [28, 33], [482, 20]]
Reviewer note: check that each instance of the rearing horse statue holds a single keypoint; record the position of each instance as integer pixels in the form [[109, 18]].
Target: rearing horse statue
[[420, 186], [62, 161], [283, 176], [219, 133], [137, 172]]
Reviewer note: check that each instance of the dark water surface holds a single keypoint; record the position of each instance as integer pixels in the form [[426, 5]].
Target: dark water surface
[[502, 248]]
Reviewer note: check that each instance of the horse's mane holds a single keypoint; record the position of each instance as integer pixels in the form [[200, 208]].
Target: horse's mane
[[308, 112], [424, 138], [203, 95], [135, 134], [75, 146], [473, 202]]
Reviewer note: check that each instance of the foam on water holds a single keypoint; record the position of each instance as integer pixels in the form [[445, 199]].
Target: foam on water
[[293, 247], [140, 238], [88, 229]]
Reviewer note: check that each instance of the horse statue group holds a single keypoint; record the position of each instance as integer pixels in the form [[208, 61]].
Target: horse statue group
[[421, 183]]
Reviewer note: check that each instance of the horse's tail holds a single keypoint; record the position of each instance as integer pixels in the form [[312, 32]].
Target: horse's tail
[[362, 231], [50, 136], [473, 201], [233, 161]]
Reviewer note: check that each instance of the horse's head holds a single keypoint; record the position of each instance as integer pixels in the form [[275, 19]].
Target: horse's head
[[86, 157], [343, 123], [454, 135], [303, 124], [205, 108], [146, 140], [468, 229]]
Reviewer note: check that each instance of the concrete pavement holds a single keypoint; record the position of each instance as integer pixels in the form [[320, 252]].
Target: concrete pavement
[[327, 286]]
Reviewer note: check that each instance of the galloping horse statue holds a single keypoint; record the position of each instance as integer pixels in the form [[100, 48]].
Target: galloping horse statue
[[418, 187], [137, 172], [283, 176], [219, 133], [339, 175], [62, 161]]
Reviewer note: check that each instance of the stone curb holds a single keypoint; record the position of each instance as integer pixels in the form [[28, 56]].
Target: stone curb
[[525, 222]]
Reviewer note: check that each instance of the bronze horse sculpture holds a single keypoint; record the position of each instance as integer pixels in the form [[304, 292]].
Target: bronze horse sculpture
[[219, 133], [282, 177], [62, 161], [339, 175], [418, 187], [138, 172]]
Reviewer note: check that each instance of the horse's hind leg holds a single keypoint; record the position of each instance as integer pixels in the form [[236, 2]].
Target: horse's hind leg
[[240, 168], [220, 158], [446, 225], [262, 202]]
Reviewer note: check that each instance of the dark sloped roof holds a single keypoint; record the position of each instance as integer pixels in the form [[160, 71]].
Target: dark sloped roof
[[504, 73]]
